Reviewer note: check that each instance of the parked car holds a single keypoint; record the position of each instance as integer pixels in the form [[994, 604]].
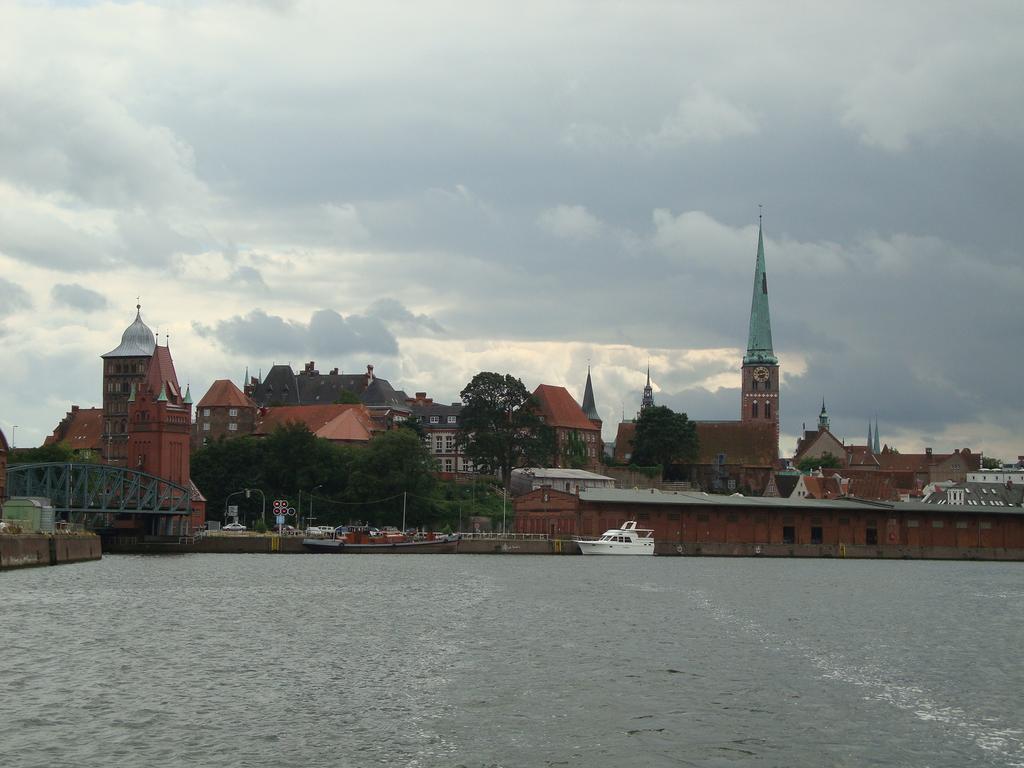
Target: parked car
[[285, 529], [234, 527]]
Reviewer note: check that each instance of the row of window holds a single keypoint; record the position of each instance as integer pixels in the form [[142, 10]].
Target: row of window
[[437, 419], [767, 410], [231, 412], [232, 427]]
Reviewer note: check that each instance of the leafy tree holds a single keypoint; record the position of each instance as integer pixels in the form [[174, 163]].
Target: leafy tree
[[393, 463], [55, 452], [825, 461], [990, 462], [664, 437], [500, 427]]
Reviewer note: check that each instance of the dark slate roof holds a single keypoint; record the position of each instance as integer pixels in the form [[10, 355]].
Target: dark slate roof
[[786, 483], [282, 386], [589, 406], [423, 412], [980, 494], [136, 341]]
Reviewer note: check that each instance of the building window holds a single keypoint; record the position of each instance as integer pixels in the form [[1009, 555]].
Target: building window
[[789, 534], [961, 523], [206, 412], [447, 465], [871, 536], [449, 443], [451, 419], [232, 427], [434, 419], [437, 444], [753, 409], [767, 410], [816, 537], [937, 524], [232, 412], [912, 523], [206, 427]]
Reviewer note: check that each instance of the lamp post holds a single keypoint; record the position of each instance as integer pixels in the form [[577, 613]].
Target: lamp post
[[14, 436], [315, 489]]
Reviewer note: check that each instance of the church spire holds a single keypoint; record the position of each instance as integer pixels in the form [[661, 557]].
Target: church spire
[[589, 406], [871, 442], [823, 422], [648, 399], [877, 446], [759, 341]]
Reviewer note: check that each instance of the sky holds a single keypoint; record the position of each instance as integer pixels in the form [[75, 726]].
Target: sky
[[442, 188]]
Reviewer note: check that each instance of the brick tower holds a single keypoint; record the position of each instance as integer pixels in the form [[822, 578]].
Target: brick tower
[[160, 422], [123, 368], [760, 371]]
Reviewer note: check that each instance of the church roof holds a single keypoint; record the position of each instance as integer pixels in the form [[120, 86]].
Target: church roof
[[589, 406], [560, 409], [136, 341], [759, 340], [223, 392]]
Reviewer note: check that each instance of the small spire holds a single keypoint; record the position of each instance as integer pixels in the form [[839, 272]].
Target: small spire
[[188, 394], [162, 398]]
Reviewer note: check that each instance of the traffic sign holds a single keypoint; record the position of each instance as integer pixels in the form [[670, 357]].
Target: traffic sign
[[280, 519]]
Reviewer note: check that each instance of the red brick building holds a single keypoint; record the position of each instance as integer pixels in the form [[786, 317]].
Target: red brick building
[[698, 522], [223, 412], [124, 368], [82, 430], [441, 425], [574, 431], [160, 421]]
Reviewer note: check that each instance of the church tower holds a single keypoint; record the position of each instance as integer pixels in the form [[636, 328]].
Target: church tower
[[648, 399], [124, 368], [589, 403], [760, 371]]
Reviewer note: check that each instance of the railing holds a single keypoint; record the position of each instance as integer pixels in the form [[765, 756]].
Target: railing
[[505, 536]]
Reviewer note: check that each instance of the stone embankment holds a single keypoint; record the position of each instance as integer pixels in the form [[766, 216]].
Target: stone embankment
[[26, 550]]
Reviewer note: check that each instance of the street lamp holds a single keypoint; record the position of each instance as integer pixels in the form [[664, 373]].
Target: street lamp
[[14, 436], [315, 489]]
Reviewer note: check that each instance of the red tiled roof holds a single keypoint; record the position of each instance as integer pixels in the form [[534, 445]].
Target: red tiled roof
[[822, 487], [624, 440], [560, 409], [314, 417], [81, 429], [161, 373], [223, 392], [747, 444]]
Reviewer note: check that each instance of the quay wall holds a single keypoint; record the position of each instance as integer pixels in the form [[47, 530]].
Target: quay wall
[[29, 550], [841, 551]]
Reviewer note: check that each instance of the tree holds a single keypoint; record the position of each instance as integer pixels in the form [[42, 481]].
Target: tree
[[61, 453], [500, 427], [664, 437], [394, 463], [991, 462], [825, 461], [575, 451]]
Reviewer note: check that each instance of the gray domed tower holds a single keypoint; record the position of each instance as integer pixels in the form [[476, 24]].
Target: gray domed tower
[[124, 368]]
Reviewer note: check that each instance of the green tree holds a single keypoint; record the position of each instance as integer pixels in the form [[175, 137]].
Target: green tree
[[825, 461], [55, 452], [394, 463], [574, 453], [991, 462], [664, 437], [500, 427]]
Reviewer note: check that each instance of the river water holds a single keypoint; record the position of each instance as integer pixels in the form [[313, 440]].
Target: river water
[[461, 660]]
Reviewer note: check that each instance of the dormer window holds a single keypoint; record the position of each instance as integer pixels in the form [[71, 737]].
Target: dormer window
[[435, 420]]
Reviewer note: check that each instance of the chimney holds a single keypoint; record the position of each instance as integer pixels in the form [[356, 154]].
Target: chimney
[[369, 374]]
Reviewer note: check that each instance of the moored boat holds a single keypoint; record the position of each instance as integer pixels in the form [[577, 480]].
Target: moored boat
[[362, 539], [627, 540]]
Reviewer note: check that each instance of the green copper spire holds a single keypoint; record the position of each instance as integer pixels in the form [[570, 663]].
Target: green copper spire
[[188, 395], [163, 394], [759, 342]]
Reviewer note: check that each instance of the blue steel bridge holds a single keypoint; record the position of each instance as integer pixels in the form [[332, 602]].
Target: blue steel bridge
[[94, 494]]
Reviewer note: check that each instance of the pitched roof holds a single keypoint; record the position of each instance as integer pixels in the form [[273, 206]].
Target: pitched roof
[[589, 406], [919, 462], [282, 386], [161, 376], [624, 440], [223, 392], [822, 487], [860, 456], [81, 429], [749, 444], [327, 421], [785, 483], [560, 409]]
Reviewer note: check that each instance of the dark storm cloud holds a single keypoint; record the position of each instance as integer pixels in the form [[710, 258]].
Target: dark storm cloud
[[78, 297], [326, 333]]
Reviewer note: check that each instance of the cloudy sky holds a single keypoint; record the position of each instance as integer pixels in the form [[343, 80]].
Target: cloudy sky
[[443, 188]]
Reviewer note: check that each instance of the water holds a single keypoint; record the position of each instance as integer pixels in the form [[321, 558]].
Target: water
[[430, 660]]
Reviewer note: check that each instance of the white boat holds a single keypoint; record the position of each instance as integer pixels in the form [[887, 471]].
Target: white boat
[[627, 540]]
